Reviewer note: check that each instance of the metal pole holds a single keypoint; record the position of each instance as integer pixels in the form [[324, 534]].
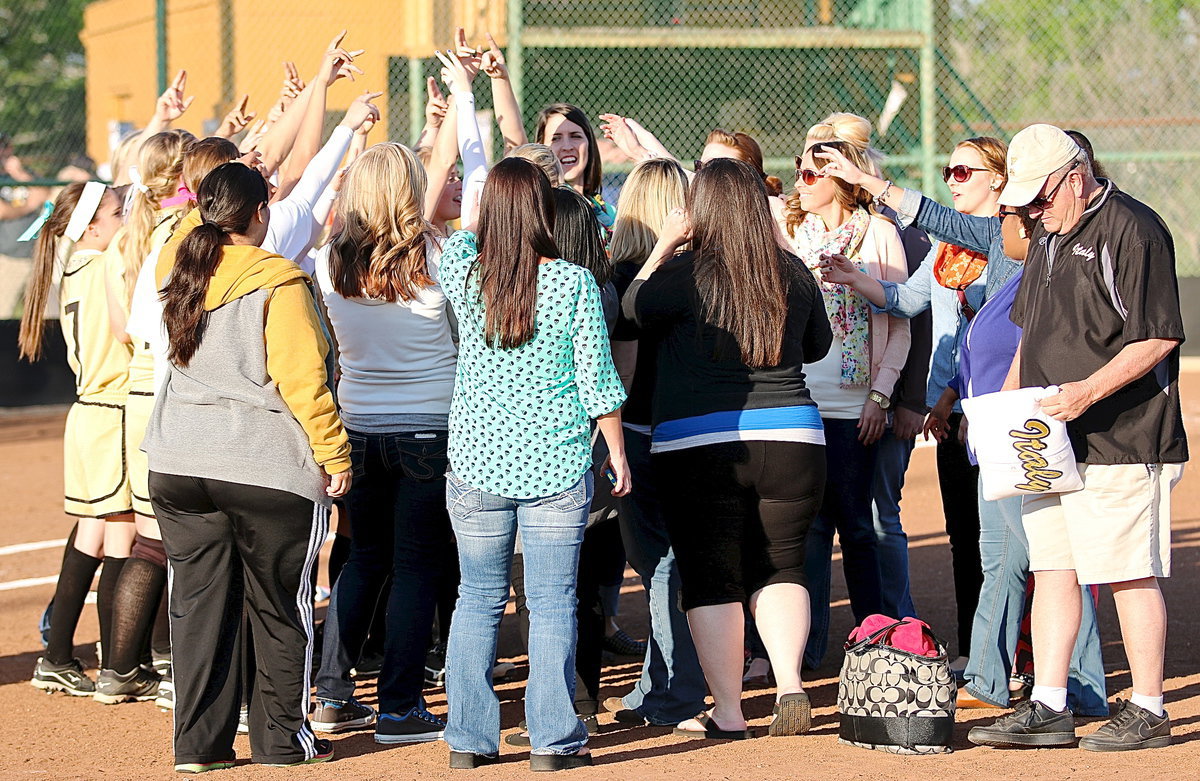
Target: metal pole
[[929, 180], [515, 56], [416, 99], [160, 39]]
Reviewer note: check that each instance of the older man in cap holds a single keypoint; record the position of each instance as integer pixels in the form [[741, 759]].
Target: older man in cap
[[1099, 311]]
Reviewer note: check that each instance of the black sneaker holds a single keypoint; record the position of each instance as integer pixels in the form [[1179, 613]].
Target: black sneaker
[[1132, 728], [621, 644], [416, 726], [1031, 724], [435, 666], [370, 664], [323, 753], [136, 686], [335, 717], [68, 678]]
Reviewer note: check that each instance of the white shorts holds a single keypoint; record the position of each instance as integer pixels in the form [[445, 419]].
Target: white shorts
[[1116, 528]]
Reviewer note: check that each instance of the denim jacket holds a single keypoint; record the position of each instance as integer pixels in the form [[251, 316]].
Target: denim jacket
[[922, 291]]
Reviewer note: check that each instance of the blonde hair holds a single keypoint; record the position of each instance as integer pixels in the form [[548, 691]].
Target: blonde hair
[[123, 155], [848, 128], [544, 158], [380, 250], [994, 154], [653, 189], [160, 165]]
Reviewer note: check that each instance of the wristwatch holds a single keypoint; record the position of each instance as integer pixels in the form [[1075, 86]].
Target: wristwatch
[[883, 401]]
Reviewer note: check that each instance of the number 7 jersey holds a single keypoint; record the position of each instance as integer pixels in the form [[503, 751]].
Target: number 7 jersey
[[100, 362]]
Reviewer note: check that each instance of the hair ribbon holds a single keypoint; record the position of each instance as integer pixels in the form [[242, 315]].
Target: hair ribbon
[[35, 227]]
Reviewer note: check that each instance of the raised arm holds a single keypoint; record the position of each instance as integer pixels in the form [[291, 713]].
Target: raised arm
[[435, 114], [504, 99], [462, 67]]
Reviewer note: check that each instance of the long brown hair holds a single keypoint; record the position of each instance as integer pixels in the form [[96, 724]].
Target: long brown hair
[[516, 230], [748, 151], [742, 276], [229, 198], [41, 277], [380, 250], [591, 172]]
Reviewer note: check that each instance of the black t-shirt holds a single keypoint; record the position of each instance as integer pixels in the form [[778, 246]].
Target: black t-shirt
[[1085, 295], [641, 393], [689, 379]]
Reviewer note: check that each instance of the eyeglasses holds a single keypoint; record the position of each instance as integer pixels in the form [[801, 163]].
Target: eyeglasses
[[961, 173], [1042, 202], [1008, 213], [807, 175]]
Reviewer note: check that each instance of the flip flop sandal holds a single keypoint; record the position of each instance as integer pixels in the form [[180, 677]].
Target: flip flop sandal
[[711, 730], [793, 716]]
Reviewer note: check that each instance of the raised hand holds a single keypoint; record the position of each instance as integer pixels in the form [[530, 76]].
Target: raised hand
[[839, 166], [338, 62], [293, 85], [253, 137], [171, 105], [493, 63], [361, 111], [458, 70], [435, 103], [677, 228], [236, 120], [616, 128]]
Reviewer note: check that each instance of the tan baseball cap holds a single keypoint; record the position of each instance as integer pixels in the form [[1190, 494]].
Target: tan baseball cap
[[1034, 154]]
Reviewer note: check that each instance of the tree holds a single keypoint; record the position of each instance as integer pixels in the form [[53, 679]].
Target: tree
[[42, 80]]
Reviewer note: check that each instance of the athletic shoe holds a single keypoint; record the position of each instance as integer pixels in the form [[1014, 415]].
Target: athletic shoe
[[501, 670], [332, 717], [369, 666], [1132, 728], [136, 686], [166, 690], [324, 754], [244, 721], [68, 678], [202, 767], [416, 726], [161, 663], [435, 666], [1031, 724], [620, 643]]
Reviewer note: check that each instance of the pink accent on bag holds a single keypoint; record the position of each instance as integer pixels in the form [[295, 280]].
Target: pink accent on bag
[[911, 635]]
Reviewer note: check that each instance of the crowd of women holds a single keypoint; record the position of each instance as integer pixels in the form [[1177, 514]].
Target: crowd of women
[[715, 372]]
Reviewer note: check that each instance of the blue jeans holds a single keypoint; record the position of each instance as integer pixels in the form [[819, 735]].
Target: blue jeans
[[400, 532], [672, 686], [846, 508], [997, 623], [551, 534], [891, 462]]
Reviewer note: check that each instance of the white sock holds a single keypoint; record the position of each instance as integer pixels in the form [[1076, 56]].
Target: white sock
[[1152, 704], [1053, 697]]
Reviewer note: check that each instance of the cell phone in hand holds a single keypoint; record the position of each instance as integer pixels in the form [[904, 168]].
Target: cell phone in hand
[[611, 475]]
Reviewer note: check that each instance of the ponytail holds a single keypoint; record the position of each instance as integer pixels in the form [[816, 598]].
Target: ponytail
[[196, 261], [160, 166], [229, 198], [41, 278]]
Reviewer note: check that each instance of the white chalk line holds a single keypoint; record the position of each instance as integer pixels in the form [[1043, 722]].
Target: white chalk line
[[28, 547]]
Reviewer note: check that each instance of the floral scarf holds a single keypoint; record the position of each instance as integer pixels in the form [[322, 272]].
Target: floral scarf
[[849, 312]]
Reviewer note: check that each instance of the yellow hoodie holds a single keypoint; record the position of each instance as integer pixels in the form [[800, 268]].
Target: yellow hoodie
[[296, 347]]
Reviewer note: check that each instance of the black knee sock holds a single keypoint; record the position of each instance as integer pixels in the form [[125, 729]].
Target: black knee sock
[[74, 582], [135, 604], [160, 636], [110, 575]]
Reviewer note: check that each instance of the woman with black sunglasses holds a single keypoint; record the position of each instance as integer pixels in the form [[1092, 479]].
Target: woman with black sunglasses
[[966, 266]]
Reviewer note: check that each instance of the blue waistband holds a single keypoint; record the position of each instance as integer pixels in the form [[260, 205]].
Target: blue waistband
[[805, 416]]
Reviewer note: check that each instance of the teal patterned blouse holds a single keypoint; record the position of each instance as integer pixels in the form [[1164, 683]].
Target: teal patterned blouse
[[520, 419]]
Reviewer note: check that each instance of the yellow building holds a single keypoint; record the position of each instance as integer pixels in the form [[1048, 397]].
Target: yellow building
[[235, 47]]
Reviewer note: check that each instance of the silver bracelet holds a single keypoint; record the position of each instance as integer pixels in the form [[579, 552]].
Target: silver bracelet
[[886, 188]]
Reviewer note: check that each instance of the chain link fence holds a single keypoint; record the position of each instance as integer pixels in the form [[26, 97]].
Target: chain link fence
[[76, 75]]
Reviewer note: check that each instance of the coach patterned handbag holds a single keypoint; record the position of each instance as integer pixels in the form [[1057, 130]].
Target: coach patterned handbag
[[896, 692]]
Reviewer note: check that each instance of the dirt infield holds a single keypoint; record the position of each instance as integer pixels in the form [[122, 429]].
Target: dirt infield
[[59, 737]]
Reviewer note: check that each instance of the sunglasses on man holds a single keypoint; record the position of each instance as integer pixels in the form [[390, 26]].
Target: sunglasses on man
[[1042, 202]]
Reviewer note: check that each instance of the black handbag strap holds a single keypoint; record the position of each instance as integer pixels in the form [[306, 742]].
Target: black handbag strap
[[874, 636], [906, 731]]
